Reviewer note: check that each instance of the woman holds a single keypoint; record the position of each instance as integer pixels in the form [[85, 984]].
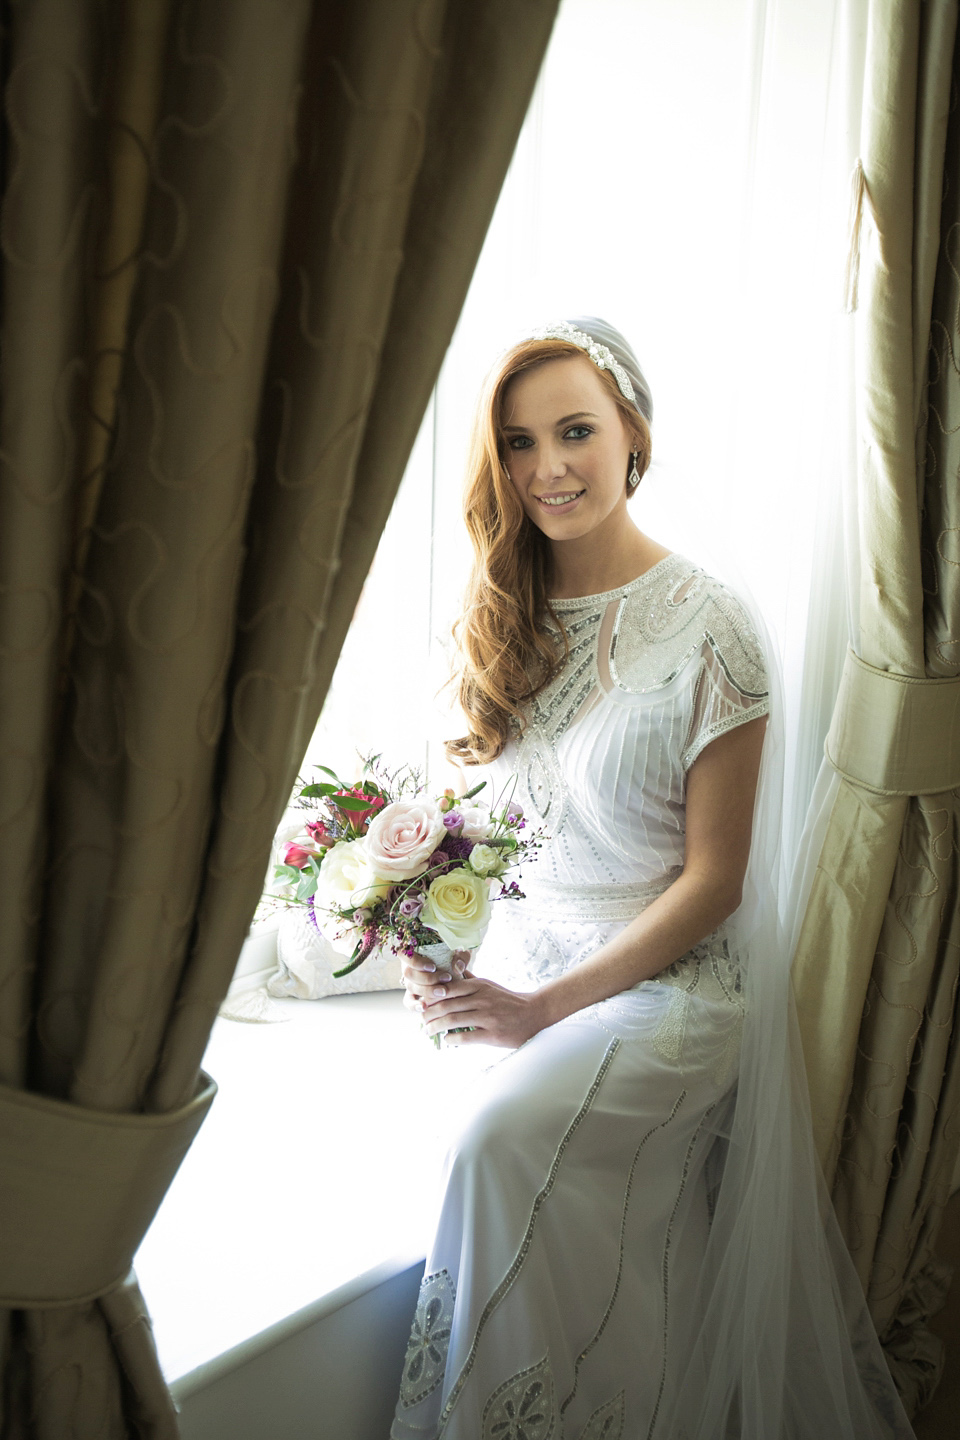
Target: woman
[[629, 1243]]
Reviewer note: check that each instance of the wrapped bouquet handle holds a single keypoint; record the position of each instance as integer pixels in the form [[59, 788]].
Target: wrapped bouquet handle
[[442, 956]]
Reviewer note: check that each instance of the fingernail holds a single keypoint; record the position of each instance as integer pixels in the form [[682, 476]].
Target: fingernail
[[439, 992], [428, 966], [444, 976]]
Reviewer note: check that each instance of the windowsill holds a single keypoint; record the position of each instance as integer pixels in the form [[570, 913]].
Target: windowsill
[[310, 1170]]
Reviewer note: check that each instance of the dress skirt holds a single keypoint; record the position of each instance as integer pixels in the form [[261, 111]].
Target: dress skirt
[[573, 1224]]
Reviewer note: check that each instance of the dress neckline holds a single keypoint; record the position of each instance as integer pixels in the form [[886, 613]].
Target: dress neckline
[[576, 601]]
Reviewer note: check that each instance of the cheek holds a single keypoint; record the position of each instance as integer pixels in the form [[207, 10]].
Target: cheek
[[517, 471]]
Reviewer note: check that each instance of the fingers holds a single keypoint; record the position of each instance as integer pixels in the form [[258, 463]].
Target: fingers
[[448, 1015], [422, 979], [426, 987]]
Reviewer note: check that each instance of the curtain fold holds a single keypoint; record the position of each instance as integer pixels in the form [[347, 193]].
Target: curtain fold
[[878, 956], [235, 242]]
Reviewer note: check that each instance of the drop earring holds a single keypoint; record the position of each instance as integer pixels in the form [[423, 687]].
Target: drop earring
[[633, 479]]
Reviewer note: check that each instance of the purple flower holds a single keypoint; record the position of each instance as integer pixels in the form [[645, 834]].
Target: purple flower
[[411, 905], [458, 849], [439, 857], [453, 820]]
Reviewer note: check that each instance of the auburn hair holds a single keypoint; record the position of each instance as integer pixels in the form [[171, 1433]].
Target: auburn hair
[[504, 656]]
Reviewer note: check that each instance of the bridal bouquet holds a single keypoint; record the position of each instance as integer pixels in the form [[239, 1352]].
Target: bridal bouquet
[[394, 867]]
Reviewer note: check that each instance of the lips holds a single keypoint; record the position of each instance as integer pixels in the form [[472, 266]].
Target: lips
[[560, 501]]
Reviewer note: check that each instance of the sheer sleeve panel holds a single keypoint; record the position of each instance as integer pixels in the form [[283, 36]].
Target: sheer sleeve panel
[[731, 684]]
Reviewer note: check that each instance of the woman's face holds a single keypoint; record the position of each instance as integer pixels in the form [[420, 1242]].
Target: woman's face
[[567, 449]]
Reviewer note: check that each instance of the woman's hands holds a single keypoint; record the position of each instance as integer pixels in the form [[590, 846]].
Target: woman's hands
[[446, 1001]]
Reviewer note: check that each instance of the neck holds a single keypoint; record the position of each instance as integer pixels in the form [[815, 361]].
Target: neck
[[600, 561]]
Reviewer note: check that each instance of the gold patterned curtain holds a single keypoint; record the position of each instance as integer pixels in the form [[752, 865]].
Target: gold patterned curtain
[[878, 960], [236, 236]]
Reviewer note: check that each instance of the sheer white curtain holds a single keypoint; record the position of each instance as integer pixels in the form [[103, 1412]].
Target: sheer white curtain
[[683, 172]]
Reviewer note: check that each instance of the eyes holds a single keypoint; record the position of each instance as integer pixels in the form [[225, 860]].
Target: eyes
[[574, 432]]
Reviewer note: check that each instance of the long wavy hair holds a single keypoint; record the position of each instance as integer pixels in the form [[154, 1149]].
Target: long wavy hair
[[504, 656]]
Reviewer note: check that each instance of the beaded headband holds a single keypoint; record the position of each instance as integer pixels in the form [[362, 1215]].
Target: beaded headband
[[601, 356]]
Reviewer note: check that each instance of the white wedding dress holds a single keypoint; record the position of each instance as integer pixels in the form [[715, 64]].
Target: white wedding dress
[[558, 1297]]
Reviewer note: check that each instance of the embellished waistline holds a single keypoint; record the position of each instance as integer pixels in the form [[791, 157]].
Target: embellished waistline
[[618, 900]]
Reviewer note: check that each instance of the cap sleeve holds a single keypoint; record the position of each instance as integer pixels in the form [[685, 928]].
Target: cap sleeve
[[731, 685]]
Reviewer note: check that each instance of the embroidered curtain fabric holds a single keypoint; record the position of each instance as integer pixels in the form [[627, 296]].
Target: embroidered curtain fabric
[[878, 956], [236, 237]]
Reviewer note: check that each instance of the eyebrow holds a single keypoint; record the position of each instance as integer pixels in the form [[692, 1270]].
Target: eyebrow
[[564, 419]]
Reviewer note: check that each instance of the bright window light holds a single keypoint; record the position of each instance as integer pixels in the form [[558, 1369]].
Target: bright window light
[[682, 172]]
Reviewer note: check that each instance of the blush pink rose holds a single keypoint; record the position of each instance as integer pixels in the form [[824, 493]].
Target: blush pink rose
[[403, 836]]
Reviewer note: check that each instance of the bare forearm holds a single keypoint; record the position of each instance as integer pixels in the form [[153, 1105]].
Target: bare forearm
[[683, 915]]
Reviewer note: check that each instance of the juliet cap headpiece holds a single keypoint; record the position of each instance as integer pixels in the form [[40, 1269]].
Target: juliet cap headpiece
[[608, 350]]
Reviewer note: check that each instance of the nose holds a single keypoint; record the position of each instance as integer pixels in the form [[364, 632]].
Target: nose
[[550, 464]]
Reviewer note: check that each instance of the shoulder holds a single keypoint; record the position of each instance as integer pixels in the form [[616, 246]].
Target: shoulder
[[733, 639], [678, 612]]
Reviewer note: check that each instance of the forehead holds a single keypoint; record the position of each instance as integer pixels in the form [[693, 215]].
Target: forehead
[[553, 388]]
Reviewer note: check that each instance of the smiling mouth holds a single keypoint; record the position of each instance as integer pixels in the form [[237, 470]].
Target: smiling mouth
[[555, 502]]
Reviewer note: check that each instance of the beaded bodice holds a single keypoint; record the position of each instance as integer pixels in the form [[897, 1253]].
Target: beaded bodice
[[656, 669]]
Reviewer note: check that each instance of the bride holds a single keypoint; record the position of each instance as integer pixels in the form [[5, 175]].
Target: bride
[[633, 1239]]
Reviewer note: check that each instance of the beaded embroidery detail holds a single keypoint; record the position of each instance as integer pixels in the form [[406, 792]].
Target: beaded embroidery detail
[[655, 634], [559, 900], [585, 1352], [523, 1407], [426, 1356], [606, 1423], [554, 708], [508, 1280], [708, 967], [712, 972], [538, 769], [665, 1264]]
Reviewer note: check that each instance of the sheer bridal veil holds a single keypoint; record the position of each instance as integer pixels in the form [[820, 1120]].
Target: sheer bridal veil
[[781, 1345]]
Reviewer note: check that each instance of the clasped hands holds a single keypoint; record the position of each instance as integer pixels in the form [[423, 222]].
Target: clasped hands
[[448, 1000]]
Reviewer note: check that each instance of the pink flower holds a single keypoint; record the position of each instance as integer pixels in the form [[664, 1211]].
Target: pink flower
[[357, 819], [403, 836], [296, 855], [319, 832]]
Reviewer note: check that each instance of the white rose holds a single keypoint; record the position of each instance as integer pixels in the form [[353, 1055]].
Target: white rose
[[477, 824], [457, 907], [403, 836], [348, 878], [485, 860]]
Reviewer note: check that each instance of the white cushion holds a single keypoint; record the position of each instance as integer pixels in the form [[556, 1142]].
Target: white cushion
[[306, 961]]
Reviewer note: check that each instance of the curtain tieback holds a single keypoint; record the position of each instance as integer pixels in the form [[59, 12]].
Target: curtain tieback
[[895, 734], [78, 1190]]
